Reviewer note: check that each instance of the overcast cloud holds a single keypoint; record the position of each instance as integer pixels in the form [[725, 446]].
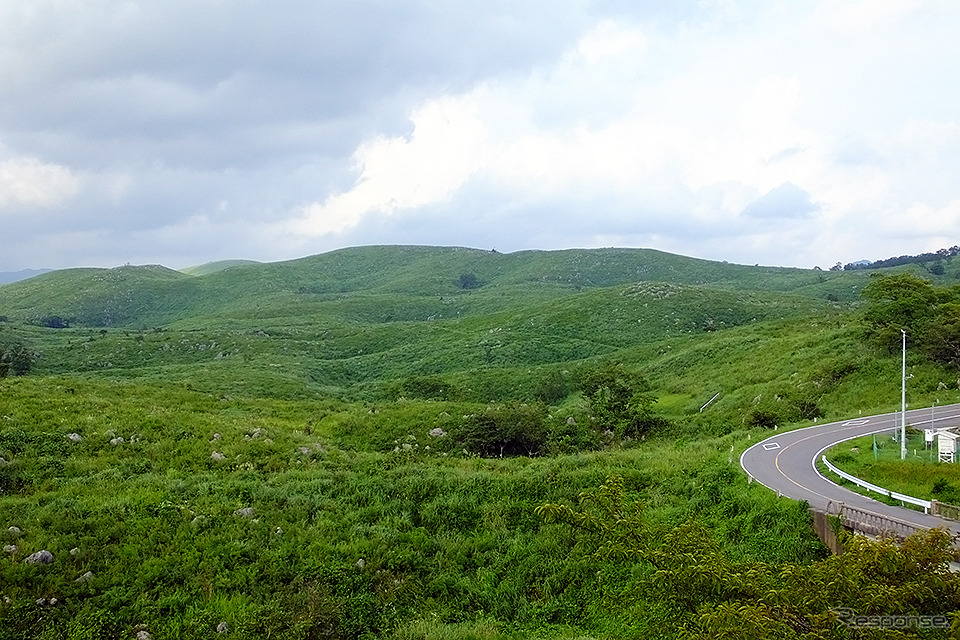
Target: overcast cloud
[[754, 131]]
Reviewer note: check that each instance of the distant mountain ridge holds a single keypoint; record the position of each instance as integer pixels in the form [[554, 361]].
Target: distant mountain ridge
[[8, 277], [388, 282], [213, 267]]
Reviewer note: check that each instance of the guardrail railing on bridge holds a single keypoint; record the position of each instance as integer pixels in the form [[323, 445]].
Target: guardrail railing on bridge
[[870, 523], [944, 510]]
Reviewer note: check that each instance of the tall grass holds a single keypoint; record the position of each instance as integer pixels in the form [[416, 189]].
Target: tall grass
[[340, 541]]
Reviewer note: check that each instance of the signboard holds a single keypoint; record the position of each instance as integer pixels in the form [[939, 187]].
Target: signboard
[[947, 446]]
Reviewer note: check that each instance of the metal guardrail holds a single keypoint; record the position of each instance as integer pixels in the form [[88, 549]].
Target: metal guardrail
[[925, 504]]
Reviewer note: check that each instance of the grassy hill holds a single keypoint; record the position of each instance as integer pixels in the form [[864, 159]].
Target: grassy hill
[[6, 277], [151, 296], [368, 324], [213, 267], [96, 297], [284, 447]]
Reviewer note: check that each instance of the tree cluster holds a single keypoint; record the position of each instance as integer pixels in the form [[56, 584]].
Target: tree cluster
[[15, 360], [506, 430], [930, 315], [620, 400], [55, 322], [936, 260], [617, 401]]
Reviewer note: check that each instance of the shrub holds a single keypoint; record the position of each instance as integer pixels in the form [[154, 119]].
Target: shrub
[[842, 457], [514, 429], [469, 281], [553, 387], [808, 409], [570, 436], [15, 359], [428, 388], [55, 322], [945, 491], [764, 418], [620, 400]]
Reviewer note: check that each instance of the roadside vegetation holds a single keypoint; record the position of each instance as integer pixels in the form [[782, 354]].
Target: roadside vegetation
[[411, 443]]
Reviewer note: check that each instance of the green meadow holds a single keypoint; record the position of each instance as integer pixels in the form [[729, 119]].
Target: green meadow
[[418, 442]]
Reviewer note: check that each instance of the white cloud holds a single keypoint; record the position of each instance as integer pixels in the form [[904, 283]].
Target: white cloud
[[719, 144], [865, 16], [30, 183], [445, 148], [675, 125], [610, 40]]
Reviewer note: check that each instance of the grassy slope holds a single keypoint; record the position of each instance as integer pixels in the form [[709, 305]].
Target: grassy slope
[[921, 476], [154, 518], [151, 296], [270, 330], [99, 297], [213, 267], [312, 353]]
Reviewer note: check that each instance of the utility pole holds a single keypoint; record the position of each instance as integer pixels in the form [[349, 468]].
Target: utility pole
[[903, 400]]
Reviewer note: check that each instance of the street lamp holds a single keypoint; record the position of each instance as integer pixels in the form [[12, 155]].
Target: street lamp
[[903, 400]]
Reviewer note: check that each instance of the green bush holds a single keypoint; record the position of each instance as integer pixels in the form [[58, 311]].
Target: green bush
[[428, 388], [763, 418], [842, 457], [620, 400], [946, 491], [505, 430]]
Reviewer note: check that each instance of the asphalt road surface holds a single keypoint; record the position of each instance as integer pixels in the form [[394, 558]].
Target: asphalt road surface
[[786, 462]]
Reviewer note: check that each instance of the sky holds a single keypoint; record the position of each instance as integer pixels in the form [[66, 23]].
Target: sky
[[776, 132]]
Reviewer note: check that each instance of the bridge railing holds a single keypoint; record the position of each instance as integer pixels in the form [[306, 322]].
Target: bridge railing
[[944, 510], [876, 524]]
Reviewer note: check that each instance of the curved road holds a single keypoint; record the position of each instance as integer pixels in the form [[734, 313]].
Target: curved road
[[786, 462]]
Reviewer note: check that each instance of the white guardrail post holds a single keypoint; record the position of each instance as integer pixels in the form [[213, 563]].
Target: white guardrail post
[[872, 487], [709, 402]]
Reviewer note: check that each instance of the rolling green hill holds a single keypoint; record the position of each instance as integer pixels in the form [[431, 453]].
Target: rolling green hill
[[364, 324], [213, 267], [151, 296], [290, 449], [361, 323]]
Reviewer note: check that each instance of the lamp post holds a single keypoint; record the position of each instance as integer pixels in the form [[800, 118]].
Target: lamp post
[[903, 400]]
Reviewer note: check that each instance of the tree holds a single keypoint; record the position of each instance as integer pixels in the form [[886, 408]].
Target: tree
[[505, 430], [930, 315], [469, 281], [897, 302], [620, 400], [15, 359], [941, 336], [55, 322]]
